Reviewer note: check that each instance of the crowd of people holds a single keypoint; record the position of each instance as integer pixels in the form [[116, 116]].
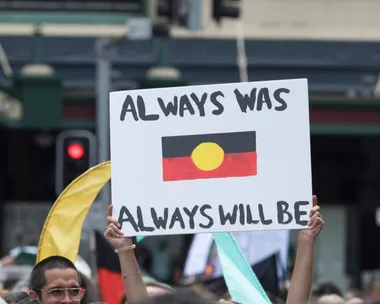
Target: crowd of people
[[57, 280]]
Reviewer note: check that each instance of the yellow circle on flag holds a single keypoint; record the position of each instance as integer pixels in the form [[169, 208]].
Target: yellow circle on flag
[[207, 156]]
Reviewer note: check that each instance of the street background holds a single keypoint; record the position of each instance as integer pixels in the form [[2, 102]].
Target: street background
[[60, 59]]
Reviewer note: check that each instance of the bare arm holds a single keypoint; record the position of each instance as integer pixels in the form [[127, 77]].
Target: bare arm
[[300, 285], [133, 281], [134, 285]]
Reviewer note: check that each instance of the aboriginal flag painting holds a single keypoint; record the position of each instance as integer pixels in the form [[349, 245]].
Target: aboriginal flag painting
[[209, 156]]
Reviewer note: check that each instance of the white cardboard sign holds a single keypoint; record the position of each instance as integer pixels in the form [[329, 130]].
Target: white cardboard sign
[[211, 158]]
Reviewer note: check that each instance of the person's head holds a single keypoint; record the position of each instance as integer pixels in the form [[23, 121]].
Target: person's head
[[177, 298], [10, 283], [331, 299], [154, 289], [375, 286], [203, 292], [29, 300], [22, 285], [327, 288], [55, 280], [274, 299], [16, 297], [353, 292], [355, 301], [91, 295]]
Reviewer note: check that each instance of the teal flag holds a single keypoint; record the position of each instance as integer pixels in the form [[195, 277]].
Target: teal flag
[[242, 283], [140, 238]]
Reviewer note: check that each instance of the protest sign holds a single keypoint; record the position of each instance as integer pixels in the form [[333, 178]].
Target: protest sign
[[212, 158]]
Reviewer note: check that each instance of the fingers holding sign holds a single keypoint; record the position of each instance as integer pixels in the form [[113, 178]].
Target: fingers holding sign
[[113, 233], [315, 224], [112, 221]]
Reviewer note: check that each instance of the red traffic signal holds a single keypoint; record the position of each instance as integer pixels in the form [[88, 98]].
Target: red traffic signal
[[75, 154], [75, 150]]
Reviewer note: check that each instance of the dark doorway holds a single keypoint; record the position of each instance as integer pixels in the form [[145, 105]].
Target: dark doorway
[[370, 240]]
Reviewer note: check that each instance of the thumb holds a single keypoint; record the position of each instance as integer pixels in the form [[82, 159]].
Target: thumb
[[315, 200], [110, 208]]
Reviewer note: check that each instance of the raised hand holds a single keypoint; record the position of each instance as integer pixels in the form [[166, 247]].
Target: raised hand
[[113, 234], [302, 278], [315, 223]]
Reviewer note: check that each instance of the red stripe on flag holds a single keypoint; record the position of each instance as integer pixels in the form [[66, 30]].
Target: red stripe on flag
[[234, 165], [111, 285]]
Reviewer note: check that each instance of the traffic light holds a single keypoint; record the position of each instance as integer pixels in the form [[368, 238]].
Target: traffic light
[[225, 9], [75, 154]]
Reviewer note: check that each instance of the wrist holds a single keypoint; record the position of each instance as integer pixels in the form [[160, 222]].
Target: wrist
[[128, 262], [127, 254], [305, 240], [125, 248]]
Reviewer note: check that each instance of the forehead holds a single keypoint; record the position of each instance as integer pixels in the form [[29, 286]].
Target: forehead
[[59, 277]]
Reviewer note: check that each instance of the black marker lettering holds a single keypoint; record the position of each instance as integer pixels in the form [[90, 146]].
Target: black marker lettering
[[210, 220], [228, 216], [129, 218], [263, 97], [282, 209], [170, 107], [200, 103], [191, 215], [214, 100], [128, 106], [246, 101], [177, 217], [185, 105], [140, 221], [298, 213], [158, 221], [250, 220], [142, 111], [277, 96], [263, 220], [241, 214]]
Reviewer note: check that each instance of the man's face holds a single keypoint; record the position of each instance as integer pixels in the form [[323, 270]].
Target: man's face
[[62, 286]]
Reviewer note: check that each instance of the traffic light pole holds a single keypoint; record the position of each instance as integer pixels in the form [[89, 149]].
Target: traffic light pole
[[104, 51]]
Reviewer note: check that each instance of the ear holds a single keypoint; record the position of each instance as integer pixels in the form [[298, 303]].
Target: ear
[[32, 294]]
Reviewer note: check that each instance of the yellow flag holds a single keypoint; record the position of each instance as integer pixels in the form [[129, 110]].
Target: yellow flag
[[63, 227]]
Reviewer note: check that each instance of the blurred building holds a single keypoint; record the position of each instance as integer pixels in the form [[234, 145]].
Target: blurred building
[[335, 44]]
